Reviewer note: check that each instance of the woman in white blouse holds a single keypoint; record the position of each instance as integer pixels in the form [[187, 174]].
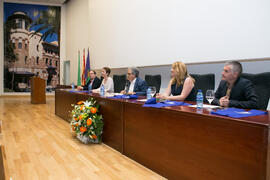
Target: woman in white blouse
[[107, 81]]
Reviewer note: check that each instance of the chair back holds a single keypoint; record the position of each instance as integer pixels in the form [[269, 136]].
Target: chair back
[[153, 80], [204, 82], [101, 78], [261, 84], [119, 82], [268, 106]]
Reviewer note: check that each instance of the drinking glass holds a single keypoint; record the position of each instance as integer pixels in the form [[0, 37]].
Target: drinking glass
[[153, 90], [210, 95]]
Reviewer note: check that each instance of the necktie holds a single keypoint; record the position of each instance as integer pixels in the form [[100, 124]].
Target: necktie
[[228, 93]]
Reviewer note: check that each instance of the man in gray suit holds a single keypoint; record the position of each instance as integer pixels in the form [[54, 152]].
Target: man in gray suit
[[135, 85]]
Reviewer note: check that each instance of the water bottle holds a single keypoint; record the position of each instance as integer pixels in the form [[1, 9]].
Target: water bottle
[[199, 99], [72, 86], [148, 93], [89, 88], [102, 90]]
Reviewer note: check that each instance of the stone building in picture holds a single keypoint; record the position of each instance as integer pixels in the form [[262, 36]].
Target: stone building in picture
[[33, 56]]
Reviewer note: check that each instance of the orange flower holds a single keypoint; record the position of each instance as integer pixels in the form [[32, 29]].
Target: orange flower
[[89, 122], [73, 128], [82, 129], [76, 119], [80, 117], [76, 124], [80, 102], [94, 136], [82, 107], [93, 110]]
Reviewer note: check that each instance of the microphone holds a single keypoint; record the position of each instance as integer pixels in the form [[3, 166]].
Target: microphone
[[126, 86]]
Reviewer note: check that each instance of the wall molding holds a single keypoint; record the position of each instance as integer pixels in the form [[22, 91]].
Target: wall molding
[[199, 62]]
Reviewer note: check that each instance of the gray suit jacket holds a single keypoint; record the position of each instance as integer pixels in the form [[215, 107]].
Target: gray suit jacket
[[140, 87]]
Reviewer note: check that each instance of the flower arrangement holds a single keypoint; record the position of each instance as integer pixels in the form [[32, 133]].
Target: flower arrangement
[[86, 123]]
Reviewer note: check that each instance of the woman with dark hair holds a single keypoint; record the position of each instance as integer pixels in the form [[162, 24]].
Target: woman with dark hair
[[107, 81], [93, 80]]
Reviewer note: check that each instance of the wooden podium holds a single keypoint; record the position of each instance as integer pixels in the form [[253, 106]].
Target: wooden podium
[[38, 90]]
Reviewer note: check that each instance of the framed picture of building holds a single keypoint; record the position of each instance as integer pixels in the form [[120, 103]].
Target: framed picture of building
[[31, 45]]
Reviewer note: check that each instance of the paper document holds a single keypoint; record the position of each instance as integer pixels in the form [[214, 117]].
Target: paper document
[[206, 106], [112, 94], [142, 100]]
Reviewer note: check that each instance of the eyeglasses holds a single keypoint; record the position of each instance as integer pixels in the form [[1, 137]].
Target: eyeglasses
[[227, 71], [128, 74]]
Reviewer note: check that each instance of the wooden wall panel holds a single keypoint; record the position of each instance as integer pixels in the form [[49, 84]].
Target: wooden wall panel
[[181, 143]]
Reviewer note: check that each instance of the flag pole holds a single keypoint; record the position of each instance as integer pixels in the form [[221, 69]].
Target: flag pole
[[79, 70]]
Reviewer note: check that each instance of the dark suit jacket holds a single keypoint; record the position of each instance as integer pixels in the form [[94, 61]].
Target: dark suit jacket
[[140, 86], [242, 94], [96, 84]]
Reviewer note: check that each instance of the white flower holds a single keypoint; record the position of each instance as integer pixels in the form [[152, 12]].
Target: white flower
[[87, 103]]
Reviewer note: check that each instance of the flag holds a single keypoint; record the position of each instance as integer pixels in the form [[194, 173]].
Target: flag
[[87, 68], [79, 70], [83, 68]]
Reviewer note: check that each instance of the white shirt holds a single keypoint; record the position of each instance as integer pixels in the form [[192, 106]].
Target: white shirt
[[108, 86], [131, 87]]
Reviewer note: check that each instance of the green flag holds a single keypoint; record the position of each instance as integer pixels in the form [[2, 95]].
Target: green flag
[[88, 79], [79, 70]]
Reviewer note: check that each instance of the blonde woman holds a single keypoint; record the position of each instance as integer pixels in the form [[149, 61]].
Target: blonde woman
[[181, 85]]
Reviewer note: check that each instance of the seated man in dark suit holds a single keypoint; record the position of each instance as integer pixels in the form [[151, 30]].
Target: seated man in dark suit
[[135, 85], [94, 80], [233, 90]]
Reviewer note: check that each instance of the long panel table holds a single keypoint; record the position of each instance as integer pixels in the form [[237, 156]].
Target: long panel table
[[180, 142]]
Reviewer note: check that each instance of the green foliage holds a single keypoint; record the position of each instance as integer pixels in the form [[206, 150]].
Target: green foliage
[[49, 20], [8, 47]]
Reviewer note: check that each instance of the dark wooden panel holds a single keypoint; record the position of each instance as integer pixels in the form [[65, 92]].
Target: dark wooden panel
[[181, 145], [63, 101], [268, 159], [112, 112], [144, 137], [38, 91], [181, 142], [202, 147], [61, 86]]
